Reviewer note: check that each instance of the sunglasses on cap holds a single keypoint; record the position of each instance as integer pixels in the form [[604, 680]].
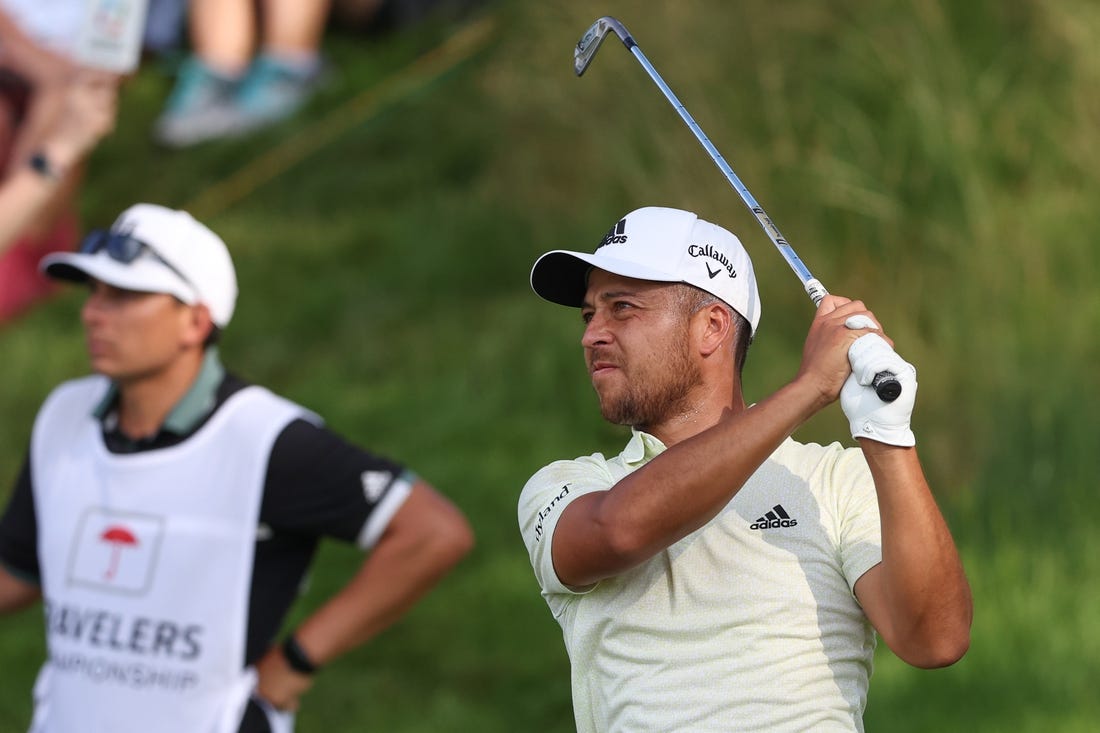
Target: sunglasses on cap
[[124, 248]]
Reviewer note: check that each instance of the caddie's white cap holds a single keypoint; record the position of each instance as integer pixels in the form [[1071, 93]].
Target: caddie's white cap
[[659, 244], [189, 261]]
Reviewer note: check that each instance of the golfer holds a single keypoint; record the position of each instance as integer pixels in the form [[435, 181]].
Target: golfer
[[717, 575], [168, 511]]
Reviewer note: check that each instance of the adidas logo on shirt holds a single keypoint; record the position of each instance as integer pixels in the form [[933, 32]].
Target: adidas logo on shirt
[[774, 519], [375, 484]]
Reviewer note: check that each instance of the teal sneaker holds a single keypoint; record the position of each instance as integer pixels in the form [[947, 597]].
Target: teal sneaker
[[273, 91], [200, 107]]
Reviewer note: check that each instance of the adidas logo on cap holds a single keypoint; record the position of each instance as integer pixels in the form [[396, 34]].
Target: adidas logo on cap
[[615, 235], [774, 519]]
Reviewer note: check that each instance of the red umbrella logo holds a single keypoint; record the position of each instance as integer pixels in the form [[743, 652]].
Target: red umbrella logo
[[118, 537]]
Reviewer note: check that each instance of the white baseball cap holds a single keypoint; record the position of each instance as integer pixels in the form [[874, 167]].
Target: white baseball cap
[[659, 244], [180, 257]]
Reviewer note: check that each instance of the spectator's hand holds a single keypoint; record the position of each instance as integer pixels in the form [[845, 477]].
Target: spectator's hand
[[279, 684], [37, 64], [91, 102]]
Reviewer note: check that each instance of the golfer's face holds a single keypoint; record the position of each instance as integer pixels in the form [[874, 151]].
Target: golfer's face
[[131, 334], [636, 348]]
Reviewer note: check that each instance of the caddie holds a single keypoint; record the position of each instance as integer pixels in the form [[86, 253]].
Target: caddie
[[168, 510]]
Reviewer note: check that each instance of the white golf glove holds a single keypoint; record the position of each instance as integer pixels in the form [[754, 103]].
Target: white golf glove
[[868, 416]]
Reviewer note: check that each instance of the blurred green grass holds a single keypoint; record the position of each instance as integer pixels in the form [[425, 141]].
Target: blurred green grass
[[936, 159]]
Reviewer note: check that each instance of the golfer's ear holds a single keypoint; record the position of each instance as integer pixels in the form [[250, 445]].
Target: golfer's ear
[[714, 326], [198, 325]]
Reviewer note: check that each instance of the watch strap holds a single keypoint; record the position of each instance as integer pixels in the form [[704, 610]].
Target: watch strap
[[41, 165], [296, 657]]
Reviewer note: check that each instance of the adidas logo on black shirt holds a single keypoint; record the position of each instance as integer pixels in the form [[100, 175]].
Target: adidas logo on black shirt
[[774, 519]]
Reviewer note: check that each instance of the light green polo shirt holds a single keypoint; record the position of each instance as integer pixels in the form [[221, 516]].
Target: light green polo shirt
[[748, 624]]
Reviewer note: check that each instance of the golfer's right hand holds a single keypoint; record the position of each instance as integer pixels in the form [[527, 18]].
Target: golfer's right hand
[[825, 362]]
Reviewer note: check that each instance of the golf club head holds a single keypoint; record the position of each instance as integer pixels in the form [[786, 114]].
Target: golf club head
[[593, 37]]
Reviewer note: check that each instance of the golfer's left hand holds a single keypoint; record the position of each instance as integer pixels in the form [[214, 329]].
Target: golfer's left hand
[[868, 416]]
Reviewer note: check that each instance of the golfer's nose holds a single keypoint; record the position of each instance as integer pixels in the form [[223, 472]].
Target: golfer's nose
[[596, 331]]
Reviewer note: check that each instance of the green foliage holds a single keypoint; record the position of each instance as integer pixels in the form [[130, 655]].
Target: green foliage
[[933, 158]]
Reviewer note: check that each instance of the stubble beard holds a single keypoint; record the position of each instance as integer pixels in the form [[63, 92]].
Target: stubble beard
[[661, 395]]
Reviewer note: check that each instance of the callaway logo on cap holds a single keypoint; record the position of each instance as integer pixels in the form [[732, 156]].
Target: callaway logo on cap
[[659, 244]]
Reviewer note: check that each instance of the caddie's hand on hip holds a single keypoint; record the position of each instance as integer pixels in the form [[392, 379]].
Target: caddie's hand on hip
[[825, 353], [278, 683]]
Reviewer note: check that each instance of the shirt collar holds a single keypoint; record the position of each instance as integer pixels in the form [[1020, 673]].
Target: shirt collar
[[642, 447], [192, 408]]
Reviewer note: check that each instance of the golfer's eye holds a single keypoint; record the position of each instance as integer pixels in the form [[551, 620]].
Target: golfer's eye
[[586, 316]]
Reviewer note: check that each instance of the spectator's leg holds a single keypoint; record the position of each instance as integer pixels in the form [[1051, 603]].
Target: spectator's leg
[[223, 38], [223, 34], [289, 67], [293, 28]]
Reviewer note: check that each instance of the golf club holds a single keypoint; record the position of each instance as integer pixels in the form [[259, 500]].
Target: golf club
[[886, 384]]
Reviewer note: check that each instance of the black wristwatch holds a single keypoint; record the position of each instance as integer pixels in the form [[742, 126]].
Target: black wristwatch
[[296, 657], [41, 165]]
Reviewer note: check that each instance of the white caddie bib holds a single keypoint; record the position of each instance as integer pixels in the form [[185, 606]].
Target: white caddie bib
[[146, 566]]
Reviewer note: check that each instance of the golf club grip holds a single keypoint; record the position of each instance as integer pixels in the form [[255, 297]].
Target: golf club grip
[[886, 386]]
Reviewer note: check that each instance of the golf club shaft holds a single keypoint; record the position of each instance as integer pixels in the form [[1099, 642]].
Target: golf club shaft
[[885, 384]]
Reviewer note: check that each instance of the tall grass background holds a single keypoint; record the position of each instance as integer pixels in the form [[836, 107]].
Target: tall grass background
[[937, 159]]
